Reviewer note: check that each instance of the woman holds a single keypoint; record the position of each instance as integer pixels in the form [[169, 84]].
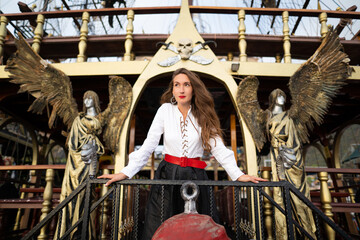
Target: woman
[[286, 157], [188, 120], [85, 129]]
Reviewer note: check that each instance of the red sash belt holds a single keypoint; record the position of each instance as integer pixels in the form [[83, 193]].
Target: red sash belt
[[186, 162]]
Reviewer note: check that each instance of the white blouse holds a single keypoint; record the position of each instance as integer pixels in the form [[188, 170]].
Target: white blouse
[[182, 138]]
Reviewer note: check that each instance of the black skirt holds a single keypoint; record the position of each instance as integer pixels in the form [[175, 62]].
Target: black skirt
[[173, 203]]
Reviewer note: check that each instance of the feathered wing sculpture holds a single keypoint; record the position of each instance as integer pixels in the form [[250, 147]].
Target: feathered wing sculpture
[[316, 82], [53, 86], [254, 117], [312, 87], [120, 97], [36, 76]]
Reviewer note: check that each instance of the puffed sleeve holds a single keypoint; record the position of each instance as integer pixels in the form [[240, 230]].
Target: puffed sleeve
[[139, 158], [226, 158]]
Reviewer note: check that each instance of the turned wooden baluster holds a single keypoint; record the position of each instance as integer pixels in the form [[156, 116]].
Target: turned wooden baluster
[[287, 45], [242, 41], [3, 22], [325, 197], [324, 28], [83, 37], [47, 204], [18, 215], [129, 35], [38, 33], [278, 58]]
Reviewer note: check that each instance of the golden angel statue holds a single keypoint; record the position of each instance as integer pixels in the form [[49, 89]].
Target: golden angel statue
[[52, 86], [312, 87]]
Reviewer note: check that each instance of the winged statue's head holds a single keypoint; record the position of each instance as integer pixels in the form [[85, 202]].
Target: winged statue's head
[[93, 95], [273, 97]]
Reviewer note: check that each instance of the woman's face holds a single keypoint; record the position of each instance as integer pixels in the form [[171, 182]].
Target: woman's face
[[89, 102], [182, 89]]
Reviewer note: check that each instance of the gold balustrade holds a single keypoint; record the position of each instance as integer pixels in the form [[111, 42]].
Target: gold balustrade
[[242, 41], [129, 35], [286, 30], [3, 31], [83, 37], [324, 27], [325, 201], [47, 203], [38, 33]]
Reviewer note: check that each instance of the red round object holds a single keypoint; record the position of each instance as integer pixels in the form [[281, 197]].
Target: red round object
[[190, 226]]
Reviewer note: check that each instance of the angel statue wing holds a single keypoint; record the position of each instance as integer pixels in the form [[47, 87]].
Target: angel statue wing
[[314, 84], [120, 97], [39, 78], [254, 117]]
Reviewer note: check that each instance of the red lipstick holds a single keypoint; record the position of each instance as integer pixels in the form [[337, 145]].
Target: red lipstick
[[181, 97]]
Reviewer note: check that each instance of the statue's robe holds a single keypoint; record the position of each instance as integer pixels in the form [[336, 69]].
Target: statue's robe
[[84, 129], [283, 133]]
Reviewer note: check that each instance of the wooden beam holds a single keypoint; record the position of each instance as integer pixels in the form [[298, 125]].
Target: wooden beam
[[145, 45], [176, 10]]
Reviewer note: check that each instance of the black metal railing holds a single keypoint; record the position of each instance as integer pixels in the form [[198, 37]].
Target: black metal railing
[[126, 200]]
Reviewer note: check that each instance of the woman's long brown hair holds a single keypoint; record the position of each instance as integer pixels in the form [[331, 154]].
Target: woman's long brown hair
[[202, 107]]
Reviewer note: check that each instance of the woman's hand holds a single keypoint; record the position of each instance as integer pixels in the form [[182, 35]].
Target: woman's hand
[[248, 178], [113, 178]]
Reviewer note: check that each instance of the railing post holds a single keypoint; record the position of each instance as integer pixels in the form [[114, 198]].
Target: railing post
[[352, 198], [3, 22], [47, 204], [230, 56], [278, 58], [83, 37], [39, 32], [267, 208], [352, 194], [287, 55], [242, 41], [18, 215], [132, 56], [325, 197], [129, 35], [104, 213], [324, 28]]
